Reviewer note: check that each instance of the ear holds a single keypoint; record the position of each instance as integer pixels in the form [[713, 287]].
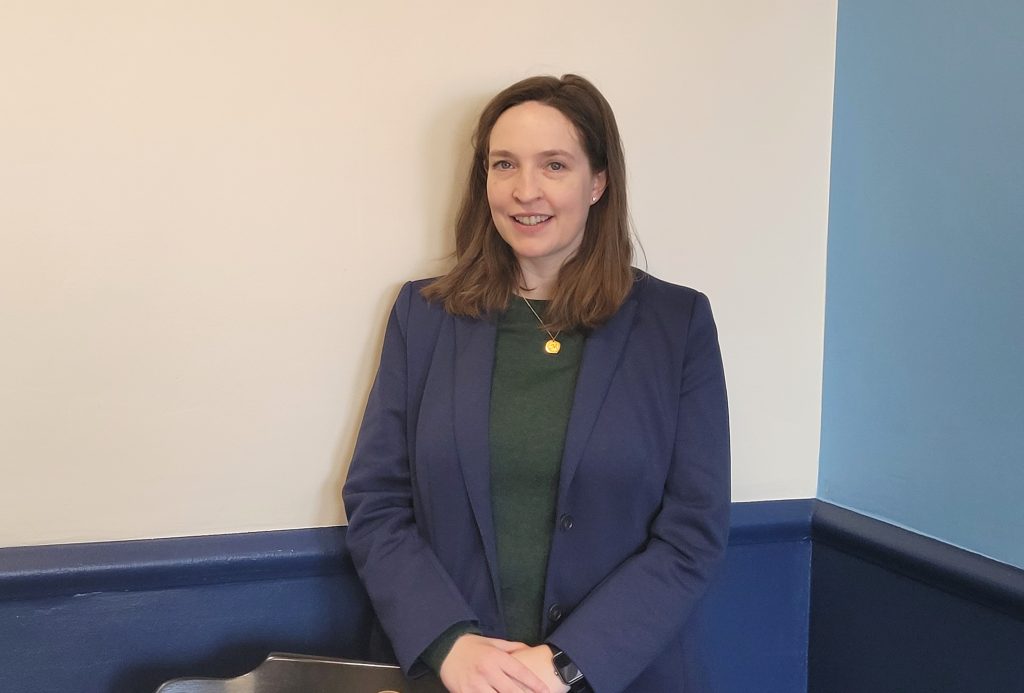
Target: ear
[[600, 182]]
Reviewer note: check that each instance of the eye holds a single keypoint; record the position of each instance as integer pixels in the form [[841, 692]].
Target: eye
[[556, 166], [502, 165]]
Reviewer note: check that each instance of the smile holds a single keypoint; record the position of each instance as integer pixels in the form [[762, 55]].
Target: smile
[[533, 219]]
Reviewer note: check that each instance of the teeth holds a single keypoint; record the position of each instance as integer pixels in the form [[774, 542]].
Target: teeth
[[532, 220]]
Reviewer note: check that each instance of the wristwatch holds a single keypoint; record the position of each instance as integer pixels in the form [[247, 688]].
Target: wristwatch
[[567, 672]]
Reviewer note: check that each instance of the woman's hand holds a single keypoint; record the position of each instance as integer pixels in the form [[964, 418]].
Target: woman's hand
[[477, 664], [539, 660]]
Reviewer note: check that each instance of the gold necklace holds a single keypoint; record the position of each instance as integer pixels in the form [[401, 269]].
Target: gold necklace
[[552, 346]]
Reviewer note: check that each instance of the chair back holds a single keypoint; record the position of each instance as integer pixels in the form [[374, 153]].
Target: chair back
[[292, 673]]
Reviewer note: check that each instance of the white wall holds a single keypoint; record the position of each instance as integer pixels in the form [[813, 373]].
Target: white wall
[[206, 209]]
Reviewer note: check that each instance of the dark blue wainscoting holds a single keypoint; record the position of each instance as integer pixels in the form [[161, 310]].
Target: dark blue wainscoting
[[125, 616], [757, 610], [894, 611], [878, 609], [122, 617]]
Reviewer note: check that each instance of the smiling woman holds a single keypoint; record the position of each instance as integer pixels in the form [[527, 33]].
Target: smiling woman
[[540, 187], [540, 488], [559, 139]]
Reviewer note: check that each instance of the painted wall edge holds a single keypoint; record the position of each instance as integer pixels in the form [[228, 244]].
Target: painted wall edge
[[146, 564]]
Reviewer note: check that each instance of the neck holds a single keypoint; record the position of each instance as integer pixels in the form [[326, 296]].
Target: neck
[[537, 282]]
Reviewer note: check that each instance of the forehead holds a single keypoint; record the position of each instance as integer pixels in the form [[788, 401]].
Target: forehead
[[534, 127]]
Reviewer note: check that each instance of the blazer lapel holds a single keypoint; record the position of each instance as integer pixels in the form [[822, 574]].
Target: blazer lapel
[[474, 366], [601, 354]]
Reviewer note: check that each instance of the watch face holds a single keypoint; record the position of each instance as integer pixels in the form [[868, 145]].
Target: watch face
[[566, 670]]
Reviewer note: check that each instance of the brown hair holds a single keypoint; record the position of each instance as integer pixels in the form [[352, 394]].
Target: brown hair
[[594, 282]]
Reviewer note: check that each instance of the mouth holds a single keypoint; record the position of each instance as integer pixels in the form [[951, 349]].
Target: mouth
[[531, 219]]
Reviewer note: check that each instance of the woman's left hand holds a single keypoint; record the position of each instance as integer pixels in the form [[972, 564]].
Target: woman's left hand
[[539, 660]]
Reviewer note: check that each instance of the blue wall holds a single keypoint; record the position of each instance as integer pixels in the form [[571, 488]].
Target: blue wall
[[923, 404], [889, 609]]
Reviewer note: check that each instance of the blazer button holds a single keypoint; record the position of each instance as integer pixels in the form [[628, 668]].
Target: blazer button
[[555, 613], [565, 522]]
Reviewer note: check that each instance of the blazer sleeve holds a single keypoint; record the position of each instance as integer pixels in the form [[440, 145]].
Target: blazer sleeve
[[412, 594], [625, 622]]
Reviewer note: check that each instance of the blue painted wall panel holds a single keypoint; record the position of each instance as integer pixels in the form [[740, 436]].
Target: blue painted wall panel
[[130, 642], [894, 611], [756, 619], [122, 617], [873, 629], [923, 402]]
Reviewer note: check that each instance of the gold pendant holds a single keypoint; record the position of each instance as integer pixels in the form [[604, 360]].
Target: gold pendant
[[552, 346]]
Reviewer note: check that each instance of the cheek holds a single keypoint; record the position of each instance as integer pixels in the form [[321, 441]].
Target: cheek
[[493, 192], [582, 196], [581, 204], [498, 211]]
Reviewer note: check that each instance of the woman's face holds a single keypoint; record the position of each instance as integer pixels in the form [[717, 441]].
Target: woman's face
[[539, 185]]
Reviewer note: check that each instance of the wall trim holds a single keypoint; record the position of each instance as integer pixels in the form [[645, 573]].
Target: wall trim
[[145, 564], [952, 569], [763, 522], [55, 570]]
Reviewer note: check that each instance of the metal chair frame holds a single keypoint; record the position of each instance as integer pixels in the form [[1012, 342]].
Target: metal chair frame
[[283, 672]]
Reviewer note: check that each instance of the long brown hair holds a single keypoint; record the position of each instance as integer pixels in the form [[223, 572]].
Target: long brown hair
[[594, 282]]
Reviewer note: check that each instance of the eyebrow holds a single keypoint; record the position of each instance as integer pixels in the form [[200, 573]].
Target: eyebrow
[[544, 154]]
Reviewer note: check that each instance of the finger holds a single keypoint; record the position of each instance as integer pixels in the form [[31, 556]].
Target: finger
[[525, 677], [495, 678], [509, 675], [508, 686], [506, 645]]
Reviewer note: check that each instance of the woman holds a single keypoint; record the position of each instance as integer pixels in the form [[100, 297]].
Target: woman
[[540, 488]]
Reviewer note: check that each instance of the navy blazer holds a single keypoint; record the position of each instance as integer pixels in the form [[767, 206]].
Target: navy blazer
[[643, 496]]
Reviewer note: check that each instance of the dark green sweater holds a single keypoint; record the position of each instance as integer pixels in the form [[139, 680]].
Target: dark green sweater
[[531, 396]]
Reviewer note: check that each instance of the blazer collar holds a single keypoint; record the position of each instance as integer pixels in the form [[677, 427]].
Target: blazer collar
[[601, 354], [475, 342]]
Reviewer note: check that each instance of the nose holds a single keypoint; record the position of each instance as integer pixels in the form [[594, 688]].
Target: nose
[[526, 187]]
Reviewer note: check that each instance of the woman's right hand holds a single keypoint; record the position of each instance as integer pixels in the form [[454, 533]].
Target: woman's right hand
[[476, 664]]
